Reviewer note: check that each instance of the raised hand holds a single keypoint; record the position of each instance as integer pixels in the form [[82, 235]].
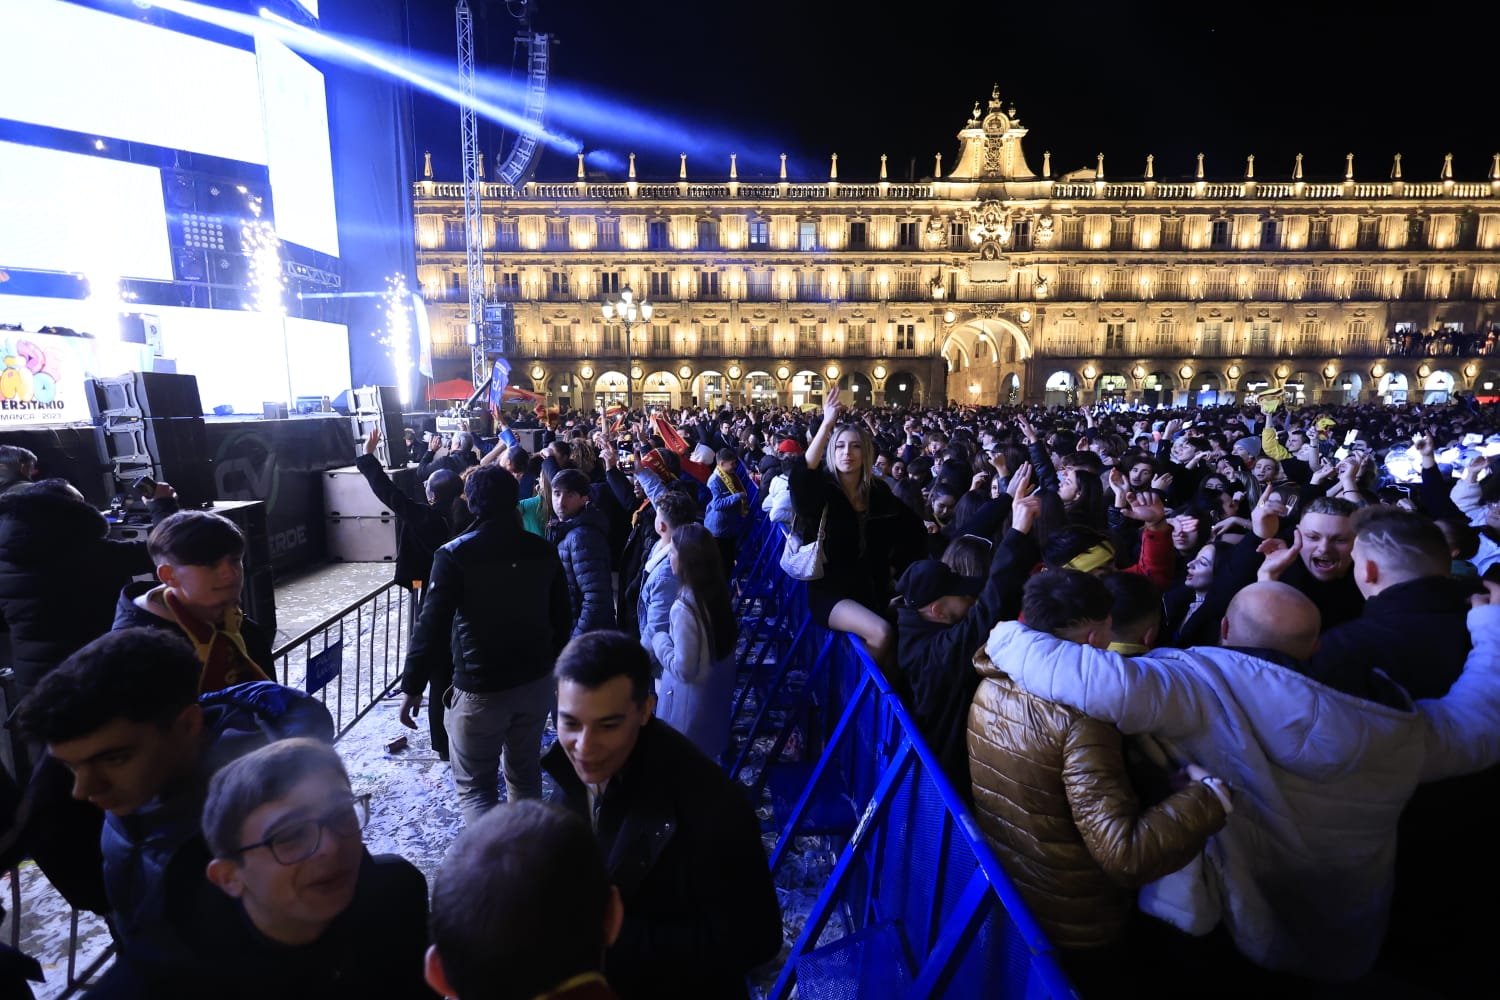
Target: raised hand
[[372, 440], [1279, 556], [1145, 507], [1024, 511], [1020, 483]]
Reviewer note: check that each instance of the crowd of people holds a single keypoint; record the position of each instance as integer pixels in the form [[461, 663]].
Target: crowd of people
[[1221, 690]]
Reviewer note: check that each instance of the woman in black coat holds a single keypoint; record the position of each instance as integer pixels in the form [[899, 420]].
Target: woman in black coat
[[869, 535]]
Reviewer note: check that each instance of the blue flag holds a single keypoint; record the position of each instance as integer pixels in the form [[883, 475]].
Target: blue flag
[[498, 380]]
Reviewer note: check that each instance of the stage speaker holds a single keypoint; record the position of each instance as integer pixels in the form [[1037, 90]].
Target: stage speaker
[[259, 595], [163, 394], [112, 399], [377, 406]]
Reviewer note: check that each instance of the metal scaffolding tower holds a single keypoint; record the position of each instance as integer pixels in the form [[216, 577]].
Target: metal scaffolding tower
[[473, 218]]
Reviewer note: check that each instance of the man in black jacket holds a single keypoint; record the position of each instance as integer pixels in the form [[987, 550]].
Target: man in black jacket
[[497, 604], [942, 621], [682, 843], [423, 528]]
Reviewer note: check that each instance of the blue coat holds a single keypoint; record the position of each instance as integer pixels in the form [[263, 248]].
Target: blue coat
[[726, 514], [695, 692]]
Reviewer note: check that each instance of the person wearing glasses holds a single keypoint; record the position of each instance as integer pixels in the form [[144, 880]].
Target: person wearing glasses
[[306, 911], [123, 721]]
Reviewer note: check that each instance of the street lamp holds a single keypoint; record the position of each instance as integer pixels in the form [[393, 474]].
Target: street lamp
[[629, 312]]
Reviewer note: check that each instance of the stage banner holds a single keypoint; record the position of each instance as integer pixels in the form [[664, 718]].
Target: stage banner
[[42, 375], [282, 463]]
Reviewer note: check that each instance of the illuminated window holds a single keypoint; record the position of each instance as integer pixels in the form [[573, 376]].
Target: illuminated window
[[906, 234], [607, 233], [657, 236], [1218, 237], [557, 283], [906, 337], [708, 284], [1171, 232], [557, 234], [658, 284], [708, 234], [807, 235], [760, 234]]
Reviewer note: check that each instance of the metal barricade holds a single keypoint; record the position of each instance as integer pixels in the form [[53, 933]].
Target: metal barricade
[[926, 908], [352, 659]]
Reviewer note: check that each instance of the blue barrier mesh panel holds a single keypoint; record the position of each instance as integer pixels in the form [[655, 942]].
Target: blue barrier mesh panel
[[865, 965]]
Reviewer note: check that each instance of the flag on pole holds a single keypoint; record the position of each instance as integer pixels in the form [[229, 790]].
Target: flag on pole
[[498, 377]]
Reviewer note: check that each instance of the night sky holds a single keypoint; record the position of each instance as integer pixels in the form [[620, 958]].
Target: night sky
[[812, 78]]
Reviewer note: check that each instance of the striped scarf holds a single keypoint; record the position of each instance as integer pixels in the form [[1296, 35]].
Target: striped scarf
[[220, 648]]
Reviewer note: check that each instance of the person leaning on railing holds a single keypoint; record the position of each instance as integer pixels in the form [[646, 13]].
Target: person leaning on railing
[[868, 534]]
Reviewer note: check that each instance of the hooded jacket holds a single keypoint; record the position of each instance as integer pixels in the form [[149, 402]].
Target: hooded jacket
[[583, 545], [1301, 876], [60, 573]]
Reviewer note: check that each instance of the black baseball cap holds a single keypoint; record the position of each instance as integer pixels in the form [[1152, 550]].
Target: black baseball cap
[[928, 579]]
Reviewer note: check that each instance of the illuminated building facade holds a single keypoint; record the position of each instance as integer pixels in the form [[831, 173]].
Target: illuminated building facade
[[991, 283]]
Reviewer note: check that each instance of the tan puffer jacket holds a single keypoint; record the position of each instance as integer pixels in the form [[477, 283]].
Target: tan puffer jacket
[[1052, 796]]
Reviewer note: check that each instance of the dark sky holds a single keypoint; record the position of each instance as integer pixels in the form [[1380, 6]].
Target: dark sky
[[816, 77]]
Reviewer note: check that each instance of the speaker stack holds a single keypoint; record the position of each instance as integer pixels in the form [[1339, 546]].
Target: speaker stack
[[377, 406], [151, 424]]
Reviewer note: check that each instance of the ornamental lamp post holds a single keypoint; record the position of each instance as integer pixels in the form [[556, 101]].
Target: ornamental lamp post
[[629, 312]]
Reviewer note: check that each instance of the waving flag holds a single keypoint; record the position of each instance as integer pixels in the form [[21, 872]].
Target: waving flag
[[498, 377]]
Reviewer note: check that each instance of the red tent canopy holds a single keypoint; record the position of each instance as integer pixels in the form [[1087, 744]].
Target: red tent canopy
[[453, 388]]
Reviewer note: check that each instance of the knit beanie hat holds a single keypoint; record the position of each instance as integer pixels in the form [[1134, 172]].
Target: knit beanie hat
[[1249, 445]]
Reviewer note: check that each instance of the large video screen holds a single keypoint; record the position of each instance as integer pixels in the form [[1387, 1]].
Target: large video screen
[[66, 212], [111, 77], [301, 166]]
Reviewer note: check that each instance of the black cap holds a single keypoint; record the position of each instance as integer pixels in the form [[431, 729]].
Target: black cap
[[928, 579]]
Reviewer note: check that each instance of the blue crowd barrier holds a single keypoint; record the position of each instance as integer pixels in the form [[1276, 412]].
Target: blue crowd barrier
[[925, 907]]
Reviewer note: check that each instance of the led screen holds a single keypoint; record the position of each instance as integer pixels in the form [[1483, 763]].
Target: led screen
[[296, 116], [101, 75], [85, 214]]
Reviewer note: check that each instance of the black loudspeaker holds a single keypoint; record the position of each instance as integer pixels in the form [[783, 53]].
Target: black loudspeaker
[[179, 448], [377, 406], [166, 394], [259, 595]]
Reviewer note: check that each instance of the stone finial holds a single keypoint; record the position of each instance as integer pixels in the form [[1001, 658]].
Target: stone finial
[[682, 170], [833, 170], [1099, 168], [481, 166], [1349, 167], [977, 112], [1200, 166], [1495, 167], [937, 167], [427, 166], [734, 170], [632, 166], [783, 166], [1047, 163], [1396, 167], [882, 167], [580, 166], [1150, 166], [1250, 167], [995, 95], [1448, 167], [1297, 169]]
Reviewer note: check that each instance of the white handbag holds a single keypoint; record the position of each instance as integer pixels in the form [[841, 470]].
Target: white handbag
[[804, 560]]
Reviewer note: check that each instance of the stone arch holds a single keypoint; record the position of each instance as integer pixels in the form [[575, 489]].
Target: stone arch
[[710, 388], [1487, 385], [1437, 387], [1061, 388], [1206, 388], [1159, 388], [761, 387], [903, 388], [661, 388], [857, 384], [807, 387], [1392, 387], [1112, 385], [611, 387]]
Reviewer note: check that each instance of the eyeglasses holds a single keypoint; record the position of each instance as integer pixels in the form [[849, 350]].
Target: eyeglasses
[[301, 840]]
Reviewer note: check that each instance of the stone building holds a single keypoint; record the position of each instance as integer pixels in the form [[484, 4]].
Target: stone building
[[991, 282]]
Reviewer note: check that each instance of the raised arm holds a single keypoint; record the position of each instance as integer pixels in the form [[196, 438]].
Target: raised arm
[[1463, 727], [819, 442]]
